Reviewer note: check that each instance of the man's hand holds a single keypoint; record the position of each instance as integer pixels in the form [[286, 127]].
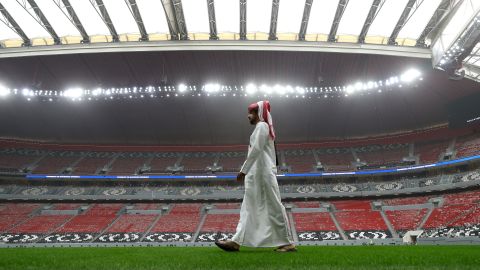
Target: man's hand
[[240, 177]]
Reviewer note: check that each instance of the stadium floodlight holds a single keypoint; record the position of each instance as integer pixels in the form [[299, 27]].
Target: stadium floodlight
[[300, 90], [212, 87], [358, 86], [410, 75], [182, 88], [251, 88], [4, 91], [350, 89], [73, 93], [278, 89], [266, 89], [216, 89], [370, 85], [289, 89], [97, 92]]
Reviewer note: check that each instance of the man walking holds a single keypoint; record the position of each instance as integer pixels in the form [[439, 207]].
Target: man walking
[[263, 219]]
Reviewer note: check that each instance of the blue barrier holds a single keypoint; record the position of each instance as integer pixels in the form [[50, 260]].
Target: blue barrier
[[286, 175]]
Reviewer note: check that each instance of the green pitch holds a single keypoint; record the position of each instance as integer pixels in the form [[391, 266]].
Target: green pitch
[[210, 258]]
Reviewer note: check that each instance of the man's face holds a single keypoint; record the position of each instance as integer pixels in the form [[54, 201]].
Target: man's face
[[253, 117]]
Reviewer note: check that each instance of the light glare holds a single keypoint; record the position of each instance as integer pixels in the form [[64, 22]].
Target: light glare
[[410, 75], [182, 88], [4, 91], [73, 93]]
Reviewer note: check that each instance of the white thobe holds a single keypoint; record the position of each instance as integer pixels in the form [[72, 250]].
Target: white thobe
[[263, 219]]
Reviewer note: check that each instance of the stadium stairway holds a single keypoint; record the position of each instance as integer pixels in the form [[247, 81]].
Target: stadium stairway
[[389, 225]]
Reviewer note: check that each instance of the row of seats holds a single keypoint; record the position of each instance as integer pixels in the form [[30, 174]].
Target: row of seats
[[375, 153], [404, 220], [181, 218], [467, 145]]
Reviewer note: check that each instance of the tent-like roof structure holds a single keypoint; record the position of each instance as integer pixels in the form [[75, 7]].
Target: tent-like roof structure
[[55, 22]]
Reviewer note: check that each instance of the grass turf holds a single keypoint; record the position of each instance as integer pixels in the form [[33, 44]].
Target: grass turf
[[199, 258]]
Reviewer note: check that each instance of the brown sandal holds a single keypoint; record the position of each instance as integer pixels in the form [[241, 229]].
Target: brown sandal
[[227, 245], [286, 248]]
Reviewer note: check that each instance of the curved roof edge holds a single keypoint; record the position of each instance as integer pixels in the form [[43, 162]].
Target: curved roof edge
[[242, 45]]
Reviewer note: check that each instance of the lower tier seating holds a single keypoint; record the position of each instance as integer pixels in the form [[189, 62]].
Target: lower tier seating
[[404, 220], [320, 221], [220, 223], [458, 215]]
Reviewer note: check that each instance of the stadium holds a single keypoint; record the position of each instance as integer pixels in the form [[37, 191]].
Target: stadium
[[123, 129]]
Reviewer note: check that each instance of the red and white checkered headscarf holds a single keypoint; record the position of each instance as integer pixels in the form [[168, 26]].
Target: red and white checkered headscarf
[[264, 114]]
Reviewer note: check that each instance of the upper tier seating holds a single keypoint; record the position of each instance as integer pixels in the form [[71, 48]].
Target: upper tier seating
[[335, 155], [198, 162], [382, 155], [300, 161], [429, 152], [124, 165], [468, 146], [232, 163], [14, 161], [160, 164], [340, 161], [51, 164], [90, 165]]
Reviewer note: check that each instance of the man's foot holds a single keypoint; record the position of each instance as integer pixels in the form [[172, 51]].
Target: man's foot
[[286, 248], [228, 245]]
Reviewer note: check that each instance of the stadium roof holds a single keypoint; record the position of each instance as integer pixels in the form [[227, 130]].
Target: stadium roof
[[100, 24]]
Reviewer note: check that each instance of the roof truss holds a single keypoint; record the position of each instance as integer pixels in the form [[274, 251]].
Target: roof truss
[[407, 13], [102, 11], [305, 18], [443, 9], [38, 15], [133, 7], [211, 20], [342, 4], [243, 19], [10, 22], [372, 14], [69, 12], [273, 20]]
